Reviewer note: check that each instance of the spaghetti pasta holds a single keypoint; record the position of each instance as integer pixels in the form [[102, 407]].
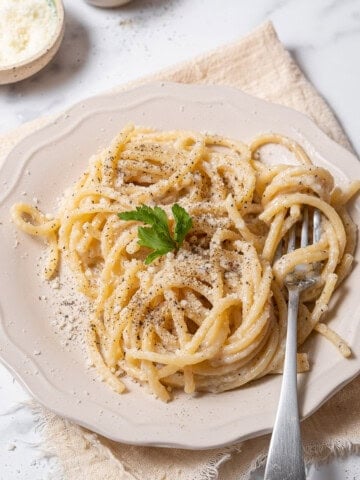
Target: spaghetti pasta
[[211, 316]]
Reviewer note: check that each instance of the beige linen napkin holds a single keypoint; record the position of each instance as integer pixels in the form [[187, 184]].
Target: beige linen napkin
[[259, 65]]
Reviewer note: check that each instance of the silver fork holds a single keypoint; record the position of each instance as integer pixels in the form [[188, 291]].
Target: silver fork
[[285, 458]]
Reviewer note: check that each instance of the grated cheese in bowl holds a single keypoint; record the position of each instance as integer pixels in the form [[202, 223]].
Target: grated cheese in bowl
[[26, 27]]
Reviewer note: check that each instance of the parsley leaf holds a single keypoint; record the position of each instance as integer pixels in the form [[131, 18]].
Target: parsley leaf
[[148, 215], [153, 238], [156, 217], [158, 237], [183, 223]]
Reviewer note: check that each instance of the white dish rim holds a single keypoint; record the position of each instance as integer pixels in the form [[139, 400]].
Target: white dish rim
[[9, 351]]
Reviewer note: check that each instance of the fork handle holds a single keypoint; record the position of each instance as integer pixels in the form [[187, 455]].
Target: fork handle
[[285, 459]]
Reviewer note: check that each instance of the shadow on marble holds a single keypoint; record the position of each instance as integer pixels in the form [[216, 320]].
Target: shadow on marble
[[68, 62], [152, 5], [298, 60]]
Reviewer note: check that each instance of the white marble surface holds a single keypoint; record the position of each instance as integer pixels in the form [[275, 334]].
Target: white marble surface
[[102, 48]]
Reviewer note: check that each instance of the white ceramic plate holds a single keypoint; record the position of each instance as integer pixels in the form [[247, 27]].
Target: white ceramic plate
[[58, 378]]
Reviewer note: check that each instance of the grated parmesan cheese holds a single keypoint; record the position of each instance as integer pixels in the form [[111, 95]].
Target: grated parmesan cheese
[[26, 26]]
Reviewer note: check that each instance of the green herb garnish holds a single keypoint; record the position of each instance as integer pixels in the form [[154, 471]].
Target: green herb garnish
[[158, 236]]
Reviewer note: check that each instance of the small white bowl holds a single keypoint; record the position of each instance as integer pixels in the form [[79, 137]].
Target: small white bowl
[[30, 66], [108, 3]]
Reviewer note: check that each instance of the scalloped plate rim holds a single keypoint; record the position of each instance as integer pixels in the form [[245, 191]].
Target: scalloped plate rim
[[7, 350]]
